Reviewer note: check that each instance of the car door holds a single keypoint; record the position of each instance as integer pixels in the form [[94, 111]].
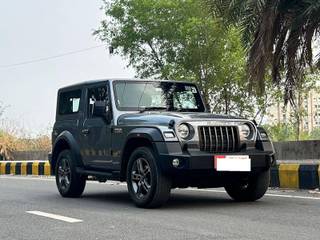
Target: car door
[[96, 131]]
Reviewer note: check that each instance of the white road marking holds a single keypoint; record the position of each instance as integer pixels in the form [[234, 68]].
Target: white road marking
[[284, 195], [291, 196], [34, 178], [267, 194], [54, 216]]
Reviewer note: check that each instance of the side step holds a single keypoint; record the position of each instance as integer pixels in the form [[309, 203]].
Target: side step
[[115, 175]]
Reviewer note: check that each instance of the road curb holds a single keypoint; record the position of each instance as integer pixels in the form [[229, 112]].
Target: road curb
[[34, 168], [295, 176], [292, 176]]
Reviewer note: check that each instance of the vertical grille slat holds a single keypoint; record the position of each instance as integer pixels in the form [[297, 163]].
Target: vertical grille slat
[[211, 145], [221, 134], [233, 138], [208, 140], [204, 138], [218, 139], [227, 139]]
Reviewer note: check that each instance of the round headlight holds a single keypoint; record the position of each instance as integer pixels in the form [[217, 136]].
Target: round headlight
[[245, 130], [183, 131]]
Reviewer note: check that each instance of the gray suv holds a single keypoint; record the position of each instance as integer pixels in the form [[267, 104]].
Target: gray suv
[[156, 136]]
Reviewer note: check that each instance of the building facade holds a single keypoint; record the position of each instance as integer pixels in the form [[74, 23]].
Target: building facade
[[310, 108]]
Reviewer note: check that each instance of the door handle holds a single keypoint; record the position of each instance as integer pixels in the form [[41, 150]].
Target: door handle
[[85, 131]]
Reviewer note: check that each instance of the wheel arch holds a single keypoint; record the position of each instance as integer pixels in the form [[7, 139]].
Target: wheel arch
[[63, 142], [140, 137]]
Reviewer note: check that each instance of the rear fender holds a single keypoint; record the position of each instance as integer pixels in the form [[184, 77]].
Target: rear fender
[[66, 141]]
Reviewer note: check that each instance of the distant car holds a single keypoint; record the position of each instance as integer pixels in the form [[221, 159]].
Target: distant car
[[155, 135]]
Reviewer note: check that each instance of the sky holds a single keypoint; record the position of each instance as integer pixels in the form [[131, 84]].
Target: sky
[[36, 29]]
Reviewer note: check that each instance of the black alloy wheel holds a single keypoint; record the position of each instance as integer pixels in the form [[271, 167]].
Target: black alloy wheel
[[69, 182], [148, 186], [141, 177], [64, 174]]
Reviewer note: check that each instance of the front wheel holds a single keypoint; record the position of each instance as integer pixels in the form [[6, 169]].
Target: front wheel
[[69, 182], [252, 189], [147, 185]]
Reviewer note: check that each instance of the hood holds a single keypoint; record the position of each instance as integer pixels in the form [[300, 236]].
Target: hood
[[163, 118]]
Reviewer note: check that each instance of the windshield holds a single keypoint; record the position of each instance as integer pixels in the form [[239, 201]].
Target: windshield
[[170, 96]]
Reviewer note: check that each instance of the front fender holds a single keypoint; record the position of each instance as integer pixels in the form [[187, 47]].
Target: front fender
[[161, 148], [151, 133], [264, 143]]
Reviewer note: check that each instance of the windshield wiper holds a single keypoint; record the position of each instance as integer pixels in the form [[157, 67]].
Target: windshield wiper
[[143, 109]]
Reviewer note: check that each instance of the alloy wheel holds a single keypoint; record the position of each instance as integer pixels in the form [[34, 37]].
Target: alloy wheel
[[141, 177], [64, 174]]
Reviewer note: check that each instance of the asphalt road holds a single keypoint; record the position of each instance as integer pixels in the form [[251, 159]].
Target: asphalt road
[[106, 212]]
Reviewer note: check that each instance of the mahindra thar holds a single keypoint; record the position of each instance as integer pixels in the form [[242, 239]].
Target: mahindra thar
[[155, 136]]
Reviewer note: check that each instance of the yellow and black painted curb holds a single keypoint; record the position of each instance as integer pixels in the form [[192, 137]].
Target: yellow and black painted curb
[[35, 168], [295, 176]]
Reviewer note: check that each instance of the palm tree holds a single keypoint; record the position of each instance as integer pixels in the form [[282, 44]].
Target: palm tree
[[280, 37]]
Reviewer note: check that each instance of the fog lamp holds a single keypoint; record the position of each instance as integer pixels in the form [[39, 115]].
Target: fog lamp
[[175, 162]]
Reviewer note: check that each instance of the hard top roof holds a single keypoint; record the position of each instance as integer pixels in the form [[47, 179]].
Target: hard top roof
[[94, 82]]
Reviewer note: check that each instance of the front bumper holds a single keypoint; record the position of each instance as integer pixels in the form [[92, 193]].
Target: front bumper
[[197, 160]]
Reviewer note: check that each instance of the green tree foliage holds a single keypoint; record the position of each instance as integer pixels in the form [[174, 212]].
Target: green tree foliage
[[315, 134], [179, 39], [288, 132], [281, 132], [280, 37]]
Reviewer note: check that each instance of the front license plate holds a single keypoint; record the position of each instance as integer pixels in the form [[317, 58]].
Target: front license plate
[[232, 163]]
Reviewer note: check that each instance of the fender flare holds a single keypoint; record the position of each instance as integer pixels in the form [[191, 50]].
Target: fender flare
[[66, 137], [265, 144], [153, 134]]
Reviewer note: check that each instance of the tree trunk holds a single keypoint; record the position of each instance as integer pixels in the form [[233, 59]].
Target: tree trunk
[[226, 100], [298, 117]]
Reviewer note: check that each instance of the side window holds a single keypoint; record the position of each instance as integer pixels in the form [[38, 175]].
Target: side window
[[96, 94], [69, 102]]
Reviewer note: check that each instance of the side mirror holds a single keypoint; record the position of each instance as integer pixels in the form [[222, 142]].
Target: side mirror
[[101, 109]]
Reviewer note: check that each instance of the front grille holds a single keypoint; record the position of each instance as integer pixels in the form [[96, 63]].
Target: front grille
[[218, 139]]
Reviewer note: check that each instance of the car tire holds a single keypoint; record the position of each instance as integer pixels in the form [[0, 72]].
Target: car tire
[[69, 182], [252, 189], [147, 185]]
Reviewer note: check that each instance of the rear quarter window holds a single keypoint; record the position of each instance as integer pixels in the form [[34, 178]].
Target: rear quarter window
[[69, 102]]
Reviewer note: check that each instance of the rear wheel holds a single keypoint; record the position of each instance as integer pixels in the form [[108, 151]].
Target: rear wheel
[[69, 182], [147, 185], [250, 190]]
